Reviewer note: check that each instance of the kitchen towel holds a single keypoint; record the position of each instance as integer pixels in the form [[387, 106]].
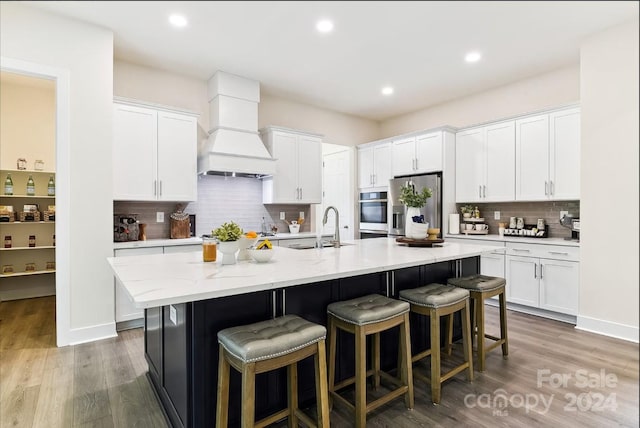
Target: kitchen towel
[[454, 224]]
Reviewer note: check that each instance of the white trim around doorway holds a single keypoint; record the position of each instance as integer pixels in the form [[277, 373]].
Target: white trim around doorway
[[63, 187]]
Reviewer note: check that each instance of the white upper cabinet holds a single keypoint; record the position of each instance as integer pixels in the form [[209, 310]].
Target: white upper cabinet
[[298, 176], [374, 166], [154, 154], [417, 155], [485, 164], [548, 156]]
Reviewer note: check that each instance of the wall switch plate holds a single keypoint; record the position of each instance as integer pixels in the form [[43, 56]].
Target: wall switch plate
[[496, 215], [159, 217], [282, 217], [563, 213], [301, 215]]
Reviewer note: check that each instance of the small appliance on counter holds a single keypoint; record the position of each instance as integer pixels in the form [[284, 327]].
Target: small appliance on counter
[[572, 223]]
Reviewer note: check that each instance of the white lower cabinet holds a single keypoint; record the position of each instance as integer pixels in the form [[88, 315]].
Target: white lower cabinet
[[535, 278], [182, 249], [125, 309]]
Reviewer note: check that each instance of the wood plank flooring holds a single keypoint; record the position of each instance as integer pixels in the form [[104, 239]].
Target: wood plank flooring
[[554, 376]]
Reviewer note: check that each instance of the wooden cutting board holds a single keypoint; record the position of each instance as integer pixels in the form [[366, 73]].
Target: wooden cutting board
[[419, 242]]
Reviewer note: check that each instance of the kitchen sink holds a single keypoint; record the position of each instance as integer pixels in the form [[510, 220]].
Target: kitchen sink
[[325, 244]]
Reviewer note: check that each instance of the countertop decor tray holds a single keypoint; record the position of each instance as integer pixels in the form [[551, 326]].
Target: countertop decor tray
[[419, 242]]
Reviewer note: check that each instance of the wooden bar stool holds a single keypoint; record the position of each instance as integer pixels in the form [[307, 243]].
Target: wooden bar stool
[[482, 287], [361, 317], [268, 345], [434, 301]]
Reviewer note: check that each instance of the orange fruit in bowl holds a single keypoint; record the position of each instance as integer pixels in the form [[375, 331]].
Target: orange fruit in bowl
[[251, 234]]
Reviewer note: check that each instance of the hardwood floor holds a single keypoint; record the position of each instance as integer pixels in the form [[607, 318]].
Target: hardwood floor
[[554, 376]]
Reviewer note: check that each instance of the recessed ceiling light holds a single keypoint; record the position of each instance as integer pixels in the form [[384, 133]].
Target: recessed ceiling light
[[473, 57], [324, 26], [387, 90], [178, 21]]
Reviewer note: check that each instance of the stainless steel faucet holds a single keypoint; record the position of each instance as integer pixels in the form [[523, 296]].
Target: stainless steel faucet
[[336, 238]]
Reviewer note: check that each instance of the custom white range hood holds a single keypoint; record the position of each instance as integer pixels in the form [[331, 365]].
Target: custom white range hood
[[234, 146]]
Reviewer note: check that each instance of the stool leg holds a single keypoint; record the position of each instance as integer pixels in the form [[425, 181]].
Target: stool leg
[[222, 406], [406, 371], [474, 321], [503, 323], [361, 378], [248, 395], [375, 363], [466, 340], [292, 374], [322, 395], [435, 356], [480, 326], [449, 334], [332, 331]]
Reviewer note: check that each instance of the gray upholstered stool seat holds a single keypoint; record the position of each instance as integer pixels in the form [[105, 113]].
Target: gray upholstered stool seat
[[482, 287], [368, 309], [434, 295], [364, 316], [265, 346], [478, 282], [271, 338]]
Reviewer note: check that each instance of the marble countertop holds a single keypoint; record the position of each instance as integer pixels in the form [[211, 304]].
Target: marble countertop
[[525, 240], [197, 240], [162, 279]]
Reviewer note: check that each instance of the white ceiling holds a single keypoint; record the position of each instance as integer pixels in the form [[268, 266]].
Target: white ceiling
[[416, 47]]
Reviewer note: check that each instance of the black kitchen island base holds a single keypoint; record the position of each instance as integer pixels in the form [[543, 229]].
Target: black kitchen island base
[[181, 343]]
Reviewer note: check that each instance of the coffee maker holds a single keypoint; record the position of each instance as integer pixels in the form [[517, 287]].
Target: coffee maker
[[572, 223]]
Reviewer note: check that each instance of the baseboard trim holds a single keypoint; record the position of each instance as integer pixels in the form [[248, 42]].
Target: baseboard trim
[[92, 333], [608, 328], [570, 319]]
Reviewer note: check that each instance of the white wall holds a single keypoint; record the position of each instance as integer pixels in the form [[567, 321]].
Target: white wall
[[27, 122], [609, 179], [547, 90], [87, 53], [337, 128]]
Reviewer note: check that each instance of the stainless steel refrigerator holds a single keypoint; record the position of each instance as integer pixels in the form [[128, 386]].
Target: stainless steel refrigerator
[[432, 211]]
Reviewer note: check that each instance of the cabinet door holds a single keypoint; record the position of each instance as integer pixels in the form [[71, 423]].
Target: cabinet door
[[177, 157], [365, 168], [404, 153], [559, 281], [522, 280], [492, 265], [285, 180], [470, 165], [532, 158], [382, 165], [135, 135], [310, 170], [429, 152], [125, 309], [500, 143], [182, 249], [564, 162]]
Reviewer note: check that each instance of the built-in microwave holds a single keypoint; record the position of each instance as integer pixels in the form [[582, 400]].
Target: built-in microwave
[[373, 211]]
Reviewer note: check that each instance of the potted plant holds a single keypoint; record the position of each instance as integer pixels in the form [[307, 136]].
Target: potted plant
[[466, 211], [414, 201], [228, 235]]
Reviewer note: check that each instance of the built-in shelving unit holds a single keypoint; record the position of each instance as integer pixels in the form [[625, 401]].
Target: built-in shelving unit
[[23, 283]]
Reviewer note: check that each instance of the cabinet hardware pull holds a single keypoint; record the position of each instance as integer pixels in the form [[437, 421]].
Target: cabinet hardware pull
[[546, 188], [155, 187], [521, 249], [541, 265], [480, 191], [283, 302], [375, 178], [535, 270], [551, 188], [370, 178], [387, 279], [160, 192], [561, 253], [393, 283], [301, 193], [273, 304], [416, 163], [484, 191]]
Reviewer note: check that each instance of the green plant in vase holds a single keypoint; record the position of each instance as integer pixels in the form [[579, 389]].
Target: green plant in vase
[[414, 200], [467, 211], [228, 235]]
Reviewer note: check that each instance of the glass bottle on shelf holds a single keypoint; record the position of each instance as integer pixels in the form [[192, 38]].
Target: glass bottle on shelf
[[51, 187], [476, 213], [8, 185], [31, 187]]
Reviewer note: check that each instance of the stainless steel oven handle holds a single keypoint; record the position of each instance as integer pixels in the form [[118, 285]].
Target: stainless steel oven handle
[[373, 200]]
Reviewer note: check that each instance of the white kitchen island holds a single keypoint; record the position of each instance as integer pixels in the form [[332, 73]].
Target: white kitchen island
[[187, 302]]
